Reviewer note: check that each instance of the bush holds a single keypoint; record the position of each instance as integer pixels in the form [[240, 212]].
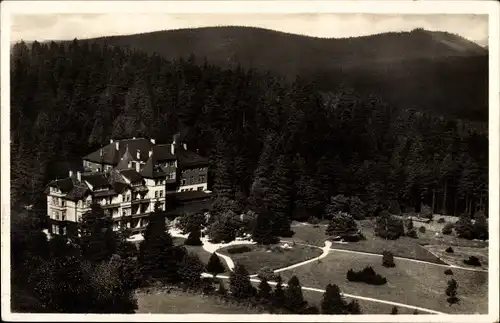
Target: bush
[[225, 228], [464, 227], [343, 225], [267, 274], [388, 259], [412, 234], [357, 208], [449, 250], [194, 239], [239, 249], [480, 227], [367, 275], [441, 220], [472, 261], [191, 222], [448, 228], [421, 229], [448, 272]]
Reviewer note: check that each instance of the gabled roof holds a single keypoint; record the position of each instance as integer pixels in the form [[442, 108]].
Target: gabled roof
[[151, 170], [124, 160], [131, 174], [78, 192], [111, 156], [119, 187]]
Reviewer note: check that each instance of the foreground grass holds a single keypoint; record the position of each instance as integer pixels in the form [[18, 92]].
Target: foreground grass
[[259, 257], [179, 302], [409, 282]]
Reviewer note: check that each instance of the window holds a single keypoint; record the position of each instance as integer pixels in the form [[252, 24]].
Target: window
[[161, 193], [183, 182], [156, 194], [202, 178], [191, 179], [54, 229], [200, 188], [191, 189], [63, 203], [64, 230], [63, 216], [56, 215]]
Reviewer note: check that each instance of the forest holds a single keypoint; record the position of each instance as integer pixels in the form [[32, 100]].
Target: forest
[[284, 146]]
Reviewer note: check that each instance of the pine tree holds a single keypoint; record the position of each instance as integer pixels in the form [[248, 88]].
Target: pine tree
[[215, 265], [239, 283], [332, 302], [451, 292], [353, 307], [394, 310], [464, 227], [190, 270], [278, 297], [264, 289], [263, 232], [480, 226], [294, 300]]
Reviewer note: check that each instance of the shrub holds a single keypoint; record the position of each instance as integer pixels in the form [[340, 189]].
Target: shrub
[[194, 239], [267, 274], [464, 227], [239, 249], [394, 310], [215, 265], [449, 250], [412, 234], [480, 226], [472, 261], [225, 228], [388, 259], [441, 220], [451, 292], [448, 228], [421, 229], [448, 272], [357, 208], [367, 275]]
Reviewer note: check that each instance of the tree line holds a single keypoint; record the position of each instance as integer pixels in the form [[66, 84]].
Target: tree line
[[277, 147]]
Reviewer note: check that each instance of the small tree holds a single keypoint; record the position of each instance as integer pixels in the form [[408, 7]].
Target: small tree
[[194, 239], [239, 282], [264, 289], [294, 300], [267, 273], [332, 302], [480, 227], [388, 259], [415, 312], [451, 292], [278, 297], [342, 224], [388, 227], [394, 310], [449, 250], [448, 272], [357, 208], [353, 307], [263, 232], [190, 270], [421, 229], [464, 227], [191, 222], [215, 265]]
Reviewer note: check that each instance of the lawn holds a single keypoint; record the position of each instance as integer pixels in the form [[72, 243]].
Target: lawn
[[199, 251], [178, 302], [409, 282], [459, 254], [403, 247], [259, 257]]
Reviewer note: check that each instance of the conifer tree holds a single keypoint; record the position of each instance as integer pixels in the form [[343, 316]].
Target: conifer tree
[[214, 265], [97, 239], [278, 297], [239, 282], [264, 289], [332, 302], [294, 300]]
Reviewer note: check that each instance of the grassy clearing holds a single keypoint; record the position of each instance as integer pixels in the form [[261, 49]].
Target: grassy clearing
[[259, 257], [403, 247], [459, 254], [178, 302], [410, 283], [199, 251]]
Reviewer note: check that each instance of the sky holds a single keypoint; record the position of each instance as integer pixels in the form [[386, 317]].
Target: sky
[[44, 27]]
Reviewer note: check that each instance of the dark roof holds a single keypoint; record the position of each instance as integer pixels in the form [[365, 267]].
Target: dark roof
[[150, 170], [65, 184], [111, 156], [96, 180], [78, 192], [189, 159], [119, 186], [138, 189], [131, 174], [163, 152], [105, 193], [124, 160], [190, 195]]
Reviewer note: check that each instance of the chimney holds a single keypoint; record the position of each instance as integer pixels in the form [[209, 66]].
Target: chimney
[[110, 141], [137, 167], [79, 176], [185, 146], [150, 152], [70, 173], [172, 148], [117, 145], [138, 155], [153, 141]]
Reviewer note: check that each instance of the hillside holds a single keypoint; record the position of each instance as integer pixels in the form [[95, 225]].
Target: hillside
[[406, 67]]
